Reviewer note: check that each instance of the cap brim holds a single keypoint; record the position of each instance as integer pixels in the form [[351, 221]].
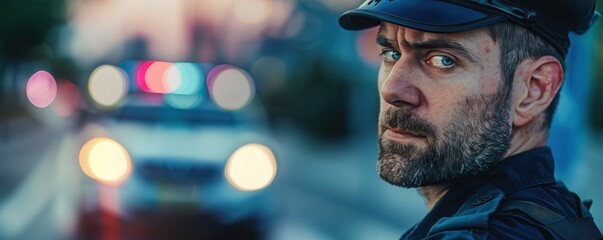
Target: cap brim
[[424, 15]]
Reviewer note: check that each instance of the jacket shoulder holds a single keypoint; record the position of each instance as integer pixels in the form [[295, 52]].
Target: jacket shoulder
[[474, 214], [479, 218]]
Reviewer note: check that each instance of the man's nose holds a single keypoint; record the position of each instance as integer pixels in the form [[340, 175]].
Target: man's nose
[[399, 88]]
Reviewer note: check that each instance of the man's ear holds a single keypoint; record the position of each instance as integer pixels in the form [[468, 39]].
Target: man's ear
[[536, 83]]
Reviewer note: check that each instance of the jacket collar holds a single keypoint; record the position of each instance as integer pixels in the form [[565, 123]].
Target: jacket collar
[[523, 170]]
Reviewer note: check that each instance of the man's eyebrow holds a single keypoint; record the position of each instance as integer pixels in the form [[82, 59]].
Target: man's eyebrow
[[429, 44], [385, 42]]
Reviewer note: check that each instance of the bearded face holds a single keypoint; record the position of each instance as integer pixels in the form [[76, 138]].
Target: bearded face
[[474, 137]]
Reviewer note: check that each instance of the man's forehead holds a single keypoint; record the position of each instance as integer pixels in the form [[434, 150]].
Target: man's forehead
[[396, 33]]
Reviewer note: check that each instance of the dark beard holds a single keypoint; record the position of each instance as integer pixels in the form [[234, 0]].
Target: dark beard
[[475, 138]]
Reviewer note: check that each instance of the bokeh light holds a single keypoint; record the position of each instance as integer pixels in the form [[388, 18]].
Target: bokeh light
[[155, 77], [231, 88], [140, 75], [105, 161], [184, 81], [251, 167], [41, 89], [252, 11], [172, 78], [108, 85], [191, 79]]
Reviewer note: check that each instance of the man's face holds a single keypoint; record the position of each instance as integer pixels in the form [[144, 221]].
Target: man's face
[[444, 109]]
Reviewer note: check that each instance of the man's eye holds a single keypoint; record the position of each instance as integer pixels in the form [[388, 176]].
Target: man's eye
[[390, 55], [441, 61]]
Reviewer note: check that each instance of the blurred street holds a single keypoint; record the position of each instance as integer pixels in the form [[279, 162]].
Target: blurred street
[[324, 190], [41, 185]]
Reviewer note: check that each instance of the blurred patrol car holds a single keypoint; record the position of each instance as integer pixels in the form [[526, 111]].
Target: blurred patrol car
[[174, 152]]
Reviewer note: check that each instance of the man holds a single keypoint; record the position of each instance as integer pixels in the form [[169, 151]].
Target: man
[[468, 90]]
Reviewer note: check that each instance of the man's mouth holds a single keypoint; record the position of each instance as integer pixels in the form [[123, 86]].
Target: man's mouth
[[401, 135]]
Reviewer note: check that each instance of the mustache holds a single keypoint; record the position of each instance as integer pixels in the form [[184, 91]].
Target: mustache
[[404, 120]]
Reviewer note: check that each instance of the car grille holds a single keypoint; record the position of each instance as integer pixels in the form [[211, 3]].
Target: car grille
[[179, 170]]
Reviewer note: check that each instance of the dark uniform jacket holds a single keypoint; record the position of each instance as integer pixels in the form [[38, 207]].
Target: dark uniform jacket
[[517, 199]]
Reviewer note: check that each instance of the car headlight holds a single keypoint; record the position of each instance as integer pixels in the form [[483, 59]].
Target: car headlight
[[105, 161], [251, 167]]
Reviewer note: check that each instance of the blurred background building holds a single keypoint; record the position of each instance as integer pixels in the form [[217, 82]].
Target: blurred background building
[[218, 119]]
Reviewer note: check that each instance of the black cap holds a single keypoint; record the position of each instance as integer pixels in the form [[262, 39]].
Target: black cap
[[552, 20]]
